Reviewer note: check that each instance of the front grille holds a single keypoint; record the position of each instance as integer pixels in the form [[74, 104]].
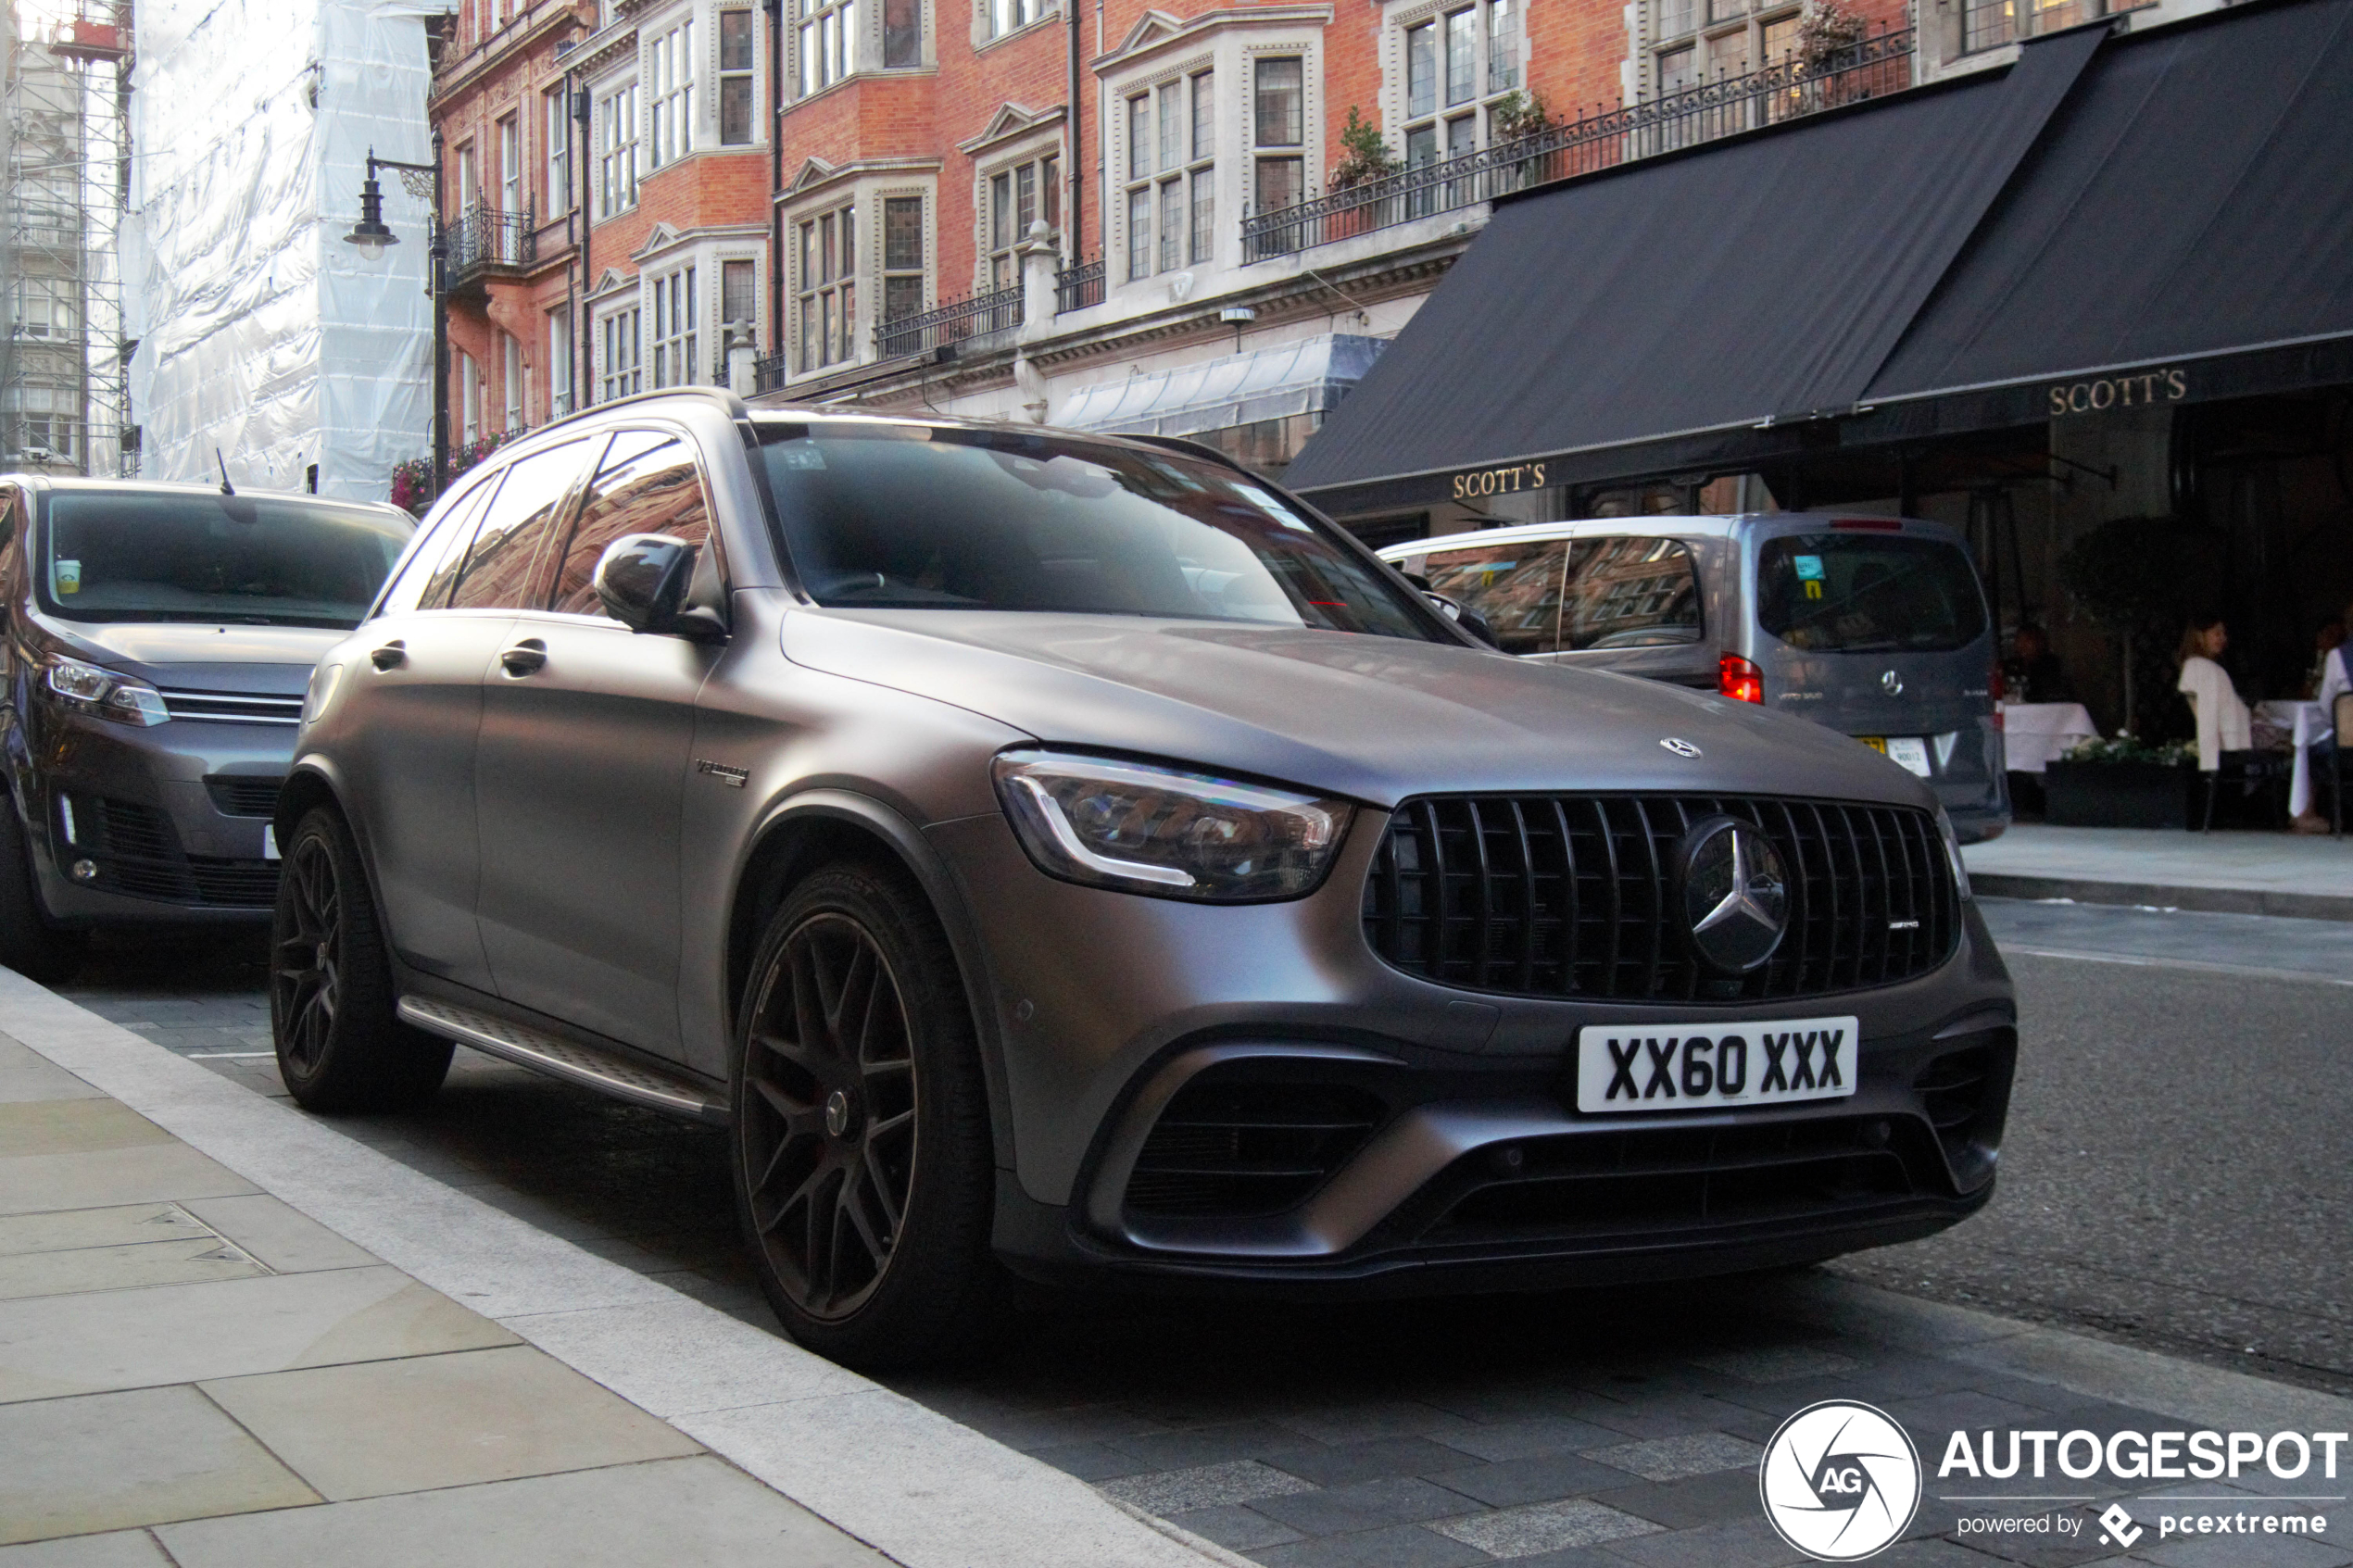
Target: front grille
[[1694, 1177], [1572, 895], [242, 707], [242, 794], [137, 854], [1244, 1149]]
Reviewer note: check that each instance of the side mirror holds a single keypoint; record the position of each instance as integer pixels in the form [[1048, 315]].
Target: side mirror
[[1464, 616], [644, 582]]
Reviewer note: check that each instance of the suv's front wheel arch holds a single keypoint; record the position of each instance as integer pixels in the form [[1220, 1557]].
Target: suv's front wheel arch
[[827, 827]]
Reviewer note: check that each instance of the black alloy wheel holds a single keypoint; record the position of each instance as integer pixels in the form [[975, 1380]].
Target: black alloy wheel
[[340, 1045], [861, 1129]]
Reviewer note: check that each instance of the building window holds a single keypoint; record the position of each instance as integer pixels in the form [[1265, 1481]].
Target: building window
[[617, 153], [670, 86], [1503, 47], [1017, 197], [1457, 64], [736, 94], [902, 258], [623, 374], [1279, 132], [828, 42], [828, 294], [511, 380], [902, 32], [558, 152], [44, 307], [511, 164], [1734, 40], [1011, 16], [1172, 195], [674, 329], [738, 294], [468, 398], [559, 361]]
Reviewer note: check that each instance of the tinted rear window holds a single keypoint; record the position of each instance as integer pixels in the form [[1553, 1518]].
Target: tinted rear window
[[245, 560], [1864, 593]]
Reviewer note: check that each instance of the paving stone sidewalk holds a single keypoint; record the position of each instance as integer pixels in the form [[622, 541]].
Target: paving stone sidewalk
[[1609, 1430], [194, 1373]]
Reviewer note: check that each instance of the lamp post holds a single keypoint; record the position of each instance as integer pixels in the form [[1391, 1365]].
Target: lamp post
[[370, 234]]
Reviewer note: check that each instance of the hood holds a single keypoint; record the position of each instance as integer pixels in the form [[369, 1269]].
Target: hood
[[1370, 719], [196, 657]]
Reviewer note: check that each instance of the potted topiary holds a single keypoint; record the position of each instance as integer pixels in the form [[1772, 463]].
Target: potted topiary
[[1364, 158], [2122, 782]]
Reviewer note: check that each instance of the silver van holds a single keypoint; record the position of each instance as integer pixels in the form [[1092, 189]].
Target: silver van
[[1874, 626]]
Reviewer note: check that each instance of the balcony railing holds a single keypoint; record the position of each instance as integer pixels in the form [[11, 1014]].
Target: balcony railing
[[1078, 287], [480, 238], [950, 324], [1866, 69], [768, 371]]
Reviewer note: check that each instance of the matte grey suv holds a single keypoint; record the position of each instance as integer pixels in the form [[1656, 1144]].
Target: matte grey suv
[[1074, 856], [156, 642]]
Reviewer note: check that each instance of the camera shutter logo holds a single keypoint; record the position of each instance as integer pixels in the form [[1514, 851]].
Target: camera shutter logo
[[1840, 1481]]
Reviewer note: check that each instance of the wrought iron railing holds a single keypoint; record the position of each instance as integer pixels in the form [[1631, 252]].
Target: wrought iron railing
[[481, 237], [950, 324], [1078, 287], [1867, 70], [768, 371]]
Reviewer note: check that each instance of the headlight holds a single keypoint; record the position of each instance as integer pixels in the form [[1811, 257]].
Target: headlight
[[88, 689], [1156, 830], [1953, 851]]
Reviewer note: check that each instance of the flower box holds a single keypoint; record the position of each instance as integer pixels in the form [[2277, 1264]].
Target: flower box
[[2117, 795]]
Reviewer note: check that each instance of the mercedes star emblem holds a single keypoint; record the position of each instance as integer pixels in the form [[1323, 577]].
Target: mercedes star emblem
[[1680, 747], [1892, 683], [1735, 894]]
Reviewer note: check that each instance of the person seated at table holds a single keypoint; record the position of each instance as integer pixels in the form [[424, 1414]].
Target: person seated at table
[[2327, 638], [2032, 673], [2336, 681], [2223, 722]]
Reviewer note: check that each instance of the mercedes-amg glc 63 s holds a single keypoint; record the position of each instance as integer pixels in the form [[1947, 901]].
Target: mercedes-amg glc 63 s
[[1071, 856]]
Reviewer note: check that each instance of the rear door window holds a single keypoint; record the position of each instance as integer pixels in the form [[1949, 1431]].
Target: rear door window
[[1868, 593], [498, 568], [1514, 588], [647, 483], [1631, 592]]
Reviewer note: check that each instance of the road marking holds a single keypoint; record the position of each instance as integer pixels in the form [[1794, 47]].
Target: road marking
[[227, 1056], [2139, 962]]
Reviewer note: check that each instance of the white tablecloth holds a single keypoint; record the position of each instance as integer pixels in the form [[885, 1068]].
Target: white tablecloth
[[2309, 723], [2035, 734]]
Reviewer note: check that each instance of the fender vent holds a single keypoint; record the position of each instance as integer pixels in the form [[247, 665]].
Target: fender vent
[[1244, 1149]]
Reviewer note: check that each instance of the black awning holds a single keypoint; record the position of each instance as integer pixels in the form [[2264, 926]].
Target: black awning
[[1905, 267]]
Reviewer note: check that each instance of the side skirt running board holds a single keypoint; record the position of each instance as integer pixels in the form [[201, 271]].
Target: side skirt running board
[[606, 1072]]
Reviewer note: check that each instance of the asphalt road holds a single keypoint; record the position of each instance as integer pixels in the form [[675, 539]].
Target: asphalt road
[[2176, 1175]]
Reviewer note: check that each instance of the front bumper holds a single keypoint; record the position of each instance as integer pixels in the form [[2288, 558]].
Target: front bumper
[[1428, 1134], [168, 824]]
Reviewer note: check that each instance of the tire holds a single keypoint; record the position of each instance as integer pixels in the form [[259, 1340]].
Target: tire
[[859, 1136], [28, 944], [340, 1046]]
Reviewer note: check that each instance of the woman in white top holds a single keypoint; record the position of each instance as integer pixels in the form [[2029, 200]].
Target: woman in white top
[[2224, 724]]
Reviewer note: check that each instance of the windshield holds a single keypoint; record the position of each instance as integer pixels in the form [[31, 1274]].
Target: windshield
[[1863, 593], [249, 560], [917, 517]]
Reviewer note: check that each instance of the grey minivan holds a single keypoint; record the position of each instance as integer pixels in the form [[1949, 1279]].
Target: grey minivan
[[1874, 626]]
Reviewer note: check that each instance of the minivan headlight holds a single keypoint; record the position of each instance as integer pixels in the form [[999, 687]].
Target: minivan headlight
[[88, 689], [1175, 834], [1953, 851]]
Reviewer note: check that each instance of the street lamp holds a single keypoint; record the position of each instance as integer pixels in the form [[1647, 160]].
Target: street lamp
[[370, 235]]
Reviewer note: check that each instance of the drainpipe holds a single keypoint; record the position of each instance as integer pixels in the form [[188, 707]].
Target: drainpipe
[[775, 176], [1075, 244], [584, 385]]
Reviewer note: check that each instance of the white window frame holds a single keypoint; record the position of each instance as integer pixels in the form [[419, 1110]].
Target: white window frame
[[997, 193], [1263, 151], [1716, 38], [509, 133], [617, 132], [511, 374], [869, 193], [830, 297], [1162, 150], [1447, 125], [668, 73], [558, 117], [1002, 19], [825, 43], [673, 309], [560, 351], [725, 263], [747, 74], [468, 398], [621, 368]]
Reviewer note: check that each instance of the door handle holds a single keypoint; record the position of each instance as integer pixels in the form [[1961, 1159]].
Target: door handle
[[526, 657], [391, 655]]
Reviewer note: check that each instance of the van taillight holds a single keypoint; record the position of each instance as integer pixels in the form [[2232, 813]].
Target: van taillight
[[1998, 685], [1740, 679]]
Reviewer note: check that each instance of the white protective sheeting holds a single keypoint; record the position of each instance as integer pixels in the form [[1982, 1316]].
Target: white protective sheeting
[[262, 334]]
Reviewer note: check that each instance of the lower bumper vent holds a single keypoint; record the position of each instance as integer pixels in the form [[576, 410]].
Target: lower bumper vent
[[1243, 1149], [1952, 1089], [138, 855]]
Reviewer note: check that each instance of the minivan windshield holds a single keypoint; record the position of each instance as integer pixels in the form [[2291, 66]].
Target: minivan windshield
[[914, 516], [269, 560], [1868, 593]]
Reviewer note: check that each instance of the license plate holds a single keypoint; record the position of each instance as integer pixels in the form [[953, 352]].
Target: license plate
[[1908, 752], [270, 841], [1704, 1066]]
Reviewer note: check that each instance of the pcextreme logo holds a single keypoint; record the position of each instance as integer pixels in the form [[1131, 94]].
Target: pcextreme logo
[[1840, 1481]]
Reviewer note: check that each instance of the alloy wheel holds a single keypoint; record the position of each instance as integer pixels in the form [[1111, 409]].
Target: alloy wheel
[[306, 959], [829, 1140]]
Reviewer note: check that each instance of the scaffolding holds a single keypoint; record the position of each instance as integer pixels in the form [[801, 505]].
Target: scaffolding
[[65, 395]]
